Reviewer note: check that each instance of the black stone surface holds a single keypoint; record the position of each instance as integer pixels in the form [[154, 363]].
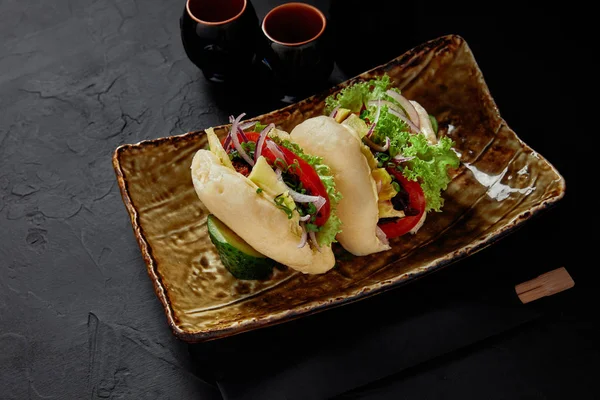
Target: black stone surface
[[78, 316]]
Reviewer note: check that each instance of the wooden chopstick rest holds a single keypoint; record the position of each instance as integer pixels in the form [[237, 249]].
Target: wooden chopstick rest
[[544, 285]]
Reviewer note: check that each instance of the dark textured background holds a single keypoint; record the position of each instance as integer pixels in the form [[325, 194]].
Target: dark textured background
[[78, 316]]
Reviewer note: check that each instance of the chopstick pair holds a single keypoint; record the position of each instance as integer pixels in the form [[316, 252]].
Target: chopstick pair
[[544, 285]]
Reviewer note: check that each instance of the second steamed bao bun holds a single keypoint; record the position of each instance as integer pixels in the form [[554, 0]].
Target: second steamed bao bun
[[340, 149]]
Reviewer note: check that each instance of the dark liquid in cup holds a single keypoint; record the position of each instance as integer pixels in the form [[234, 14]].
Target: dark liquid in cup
[[215, 11], [294, 24]]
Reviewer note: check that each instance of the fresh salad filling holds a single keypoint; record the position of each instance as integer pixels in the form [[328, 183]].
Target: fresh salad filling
[[409, 162], [300, 185]]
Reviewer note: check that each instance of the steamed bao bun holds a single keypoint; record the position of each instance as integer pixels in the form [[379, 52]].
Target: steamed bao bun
[[232, 198], [340, 149]]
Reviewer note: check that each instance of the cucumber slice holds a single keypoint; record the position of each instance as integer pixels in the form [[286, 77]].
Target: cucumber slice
[[434, 124], [240, 259]]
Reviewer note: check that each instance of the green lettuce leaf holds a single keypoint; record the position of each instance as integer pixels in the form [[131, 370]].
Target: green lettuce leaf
[[259, 127], [431, 162], [333, 226], [353, 97], [430, 167], [378, 87]]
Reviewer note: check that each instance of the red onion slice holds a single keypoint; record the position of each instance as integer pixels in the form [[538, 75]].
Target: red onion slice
[[241, 132], [236, 141], [306, 198], [275, 149], [389, 104], [305, 218], [261, 140], [400, 158], [412, 126], [303, 237], [334, 112], [318, 201], [247, 125], [372, 128], [227, 141], [370, 131], [240, 128], [313, 239], [381, 236], [377, 147], [406, 105], [419, 224]]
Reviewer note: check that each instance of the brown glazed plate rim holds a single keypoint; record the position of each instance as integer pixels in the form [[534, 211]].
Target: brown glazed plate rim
[[317, 305]]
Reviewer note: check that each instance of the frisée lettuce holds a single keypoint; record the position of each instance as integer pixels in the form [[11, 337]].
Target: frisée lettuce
[[409, 153]]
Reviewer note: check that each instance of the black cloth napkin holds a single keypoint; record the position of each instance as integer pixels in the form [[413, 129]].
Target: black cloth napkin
[[327, 354]]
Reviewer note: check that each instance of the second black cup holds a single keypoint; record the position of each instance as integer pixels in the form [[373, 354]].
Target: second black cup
[[297, 48]]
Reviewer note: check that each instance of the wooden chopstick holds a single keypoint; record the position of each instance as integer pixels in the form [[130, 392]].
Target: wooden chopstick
[[544, 285]]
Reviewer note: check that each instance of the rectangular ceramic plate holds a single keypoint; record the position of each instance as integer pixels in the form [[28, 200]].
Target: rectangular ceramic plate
[[500, 184]]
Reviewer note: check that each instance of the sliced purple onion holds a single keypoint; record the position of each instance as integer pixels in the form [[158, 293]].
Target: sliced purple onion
[[241, 132], [334, 112], [381, 236], [247, 125], [305, 218], [275, 149], [278, 172], [318, 201], [377, 147], [261, 140], [227, 141], [370, 131], [240, 128], [372, 128], [303, 237], [313, 239], [412, 126], [389, 104], [406, 105], [306, 198], [400, 158], [236, 141], [419, 224]]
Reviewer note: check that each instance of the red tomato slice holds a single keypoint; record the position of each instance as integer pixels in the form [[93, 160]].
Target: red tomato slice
[[310, 180], [305, 172], [416, 201]]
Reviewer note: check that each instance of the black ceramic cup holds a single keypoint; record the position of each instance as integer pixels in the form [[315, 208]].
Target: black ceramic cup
[[297, 48], [220, 37]]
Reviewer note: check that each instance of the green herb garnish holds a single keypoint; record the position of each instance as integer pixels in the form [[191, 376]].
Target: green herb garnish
[[311, 228], [279, 199], [280, 163]]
